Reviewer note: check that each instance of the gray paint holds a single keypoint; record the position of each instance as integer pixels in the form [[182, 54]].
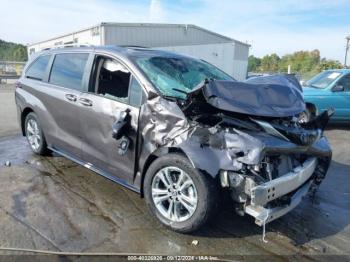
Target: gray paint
[[194, 126]]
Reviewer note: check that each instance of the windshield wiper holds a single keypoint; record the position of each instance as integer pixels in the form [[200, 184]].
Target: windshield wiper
[[317, 87], [179, 90], [172, 98], [199, 86]]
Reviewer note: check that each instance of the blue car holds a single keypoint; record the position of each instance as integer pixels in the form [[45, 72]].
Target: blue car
[[328, 89]]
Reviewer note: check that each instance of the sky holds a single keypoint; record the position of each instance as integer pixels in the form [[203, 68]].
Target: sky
[[270, 26]]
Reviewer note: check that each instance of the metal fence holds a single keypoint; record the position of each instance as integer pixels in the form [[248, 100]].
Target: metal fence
[[301, 76], [10, 71]]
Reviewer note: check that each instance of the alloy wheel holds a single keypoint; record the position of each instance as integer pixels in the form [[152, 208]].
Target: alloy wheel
[[174, 194], [33, 134]]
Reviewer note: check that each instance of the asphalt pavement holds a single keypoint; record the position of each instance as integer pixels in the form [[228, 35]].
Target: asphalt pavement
[[54, 204]]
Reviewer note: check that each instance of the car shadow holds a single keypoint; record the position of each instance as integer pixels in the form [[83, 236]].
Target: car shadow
[[325, 215]]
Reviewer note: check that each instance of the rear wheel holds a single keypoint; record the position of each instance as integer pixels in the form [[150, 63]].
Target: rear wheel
[[35, 135], [180, 196]]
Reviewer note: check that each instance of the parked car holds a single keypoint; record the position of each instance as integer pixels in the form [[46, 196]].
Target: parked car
[[328, 89], [175, 129]]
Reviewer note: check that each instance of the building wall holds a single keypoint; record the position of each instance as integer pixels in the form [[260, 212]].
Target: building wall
[[222, 56], [227, 54], [240, 64], [92, 36], [156, 35]]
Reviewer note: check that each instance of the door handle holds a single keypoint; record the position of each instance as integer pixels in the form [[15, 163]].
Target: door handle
[[71, 97], [85, 101]]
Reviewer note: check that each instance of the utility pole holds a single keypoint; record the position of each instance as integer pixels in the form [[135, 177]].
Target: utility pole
[[346, 49]]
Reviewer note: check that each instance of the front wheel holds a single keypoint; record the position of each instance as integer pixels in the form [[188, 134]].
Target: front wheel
[[181, 197]]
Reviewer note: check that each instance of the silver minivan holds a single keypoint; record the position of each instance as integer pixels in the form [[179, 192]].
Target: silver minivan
[[175, 129]]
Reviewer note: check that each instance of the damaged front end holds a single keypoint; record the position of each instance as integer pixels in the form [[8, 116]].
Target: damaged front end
[[267, 172], [247, 136]]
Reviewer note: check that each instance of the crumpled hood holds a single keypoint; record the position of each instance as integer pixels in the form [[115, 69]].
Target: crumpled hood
[[271, 96]]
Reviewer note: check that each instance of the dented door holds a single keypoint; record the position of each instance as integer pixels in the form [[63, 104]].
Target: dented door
[[100, 148]]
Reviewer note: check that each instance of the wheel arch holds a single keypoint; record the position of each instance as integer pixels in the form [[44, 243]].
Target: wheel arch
[[312, 108], [156, 154]]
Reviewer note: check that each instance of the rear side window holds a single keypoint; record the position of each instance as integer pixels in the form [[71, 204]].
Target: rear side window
[[68, 70], [38, 68]]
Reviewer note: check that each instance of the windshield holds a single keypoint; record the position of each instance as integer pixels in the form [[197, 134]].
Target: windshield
[[176, 76], [323, 79]]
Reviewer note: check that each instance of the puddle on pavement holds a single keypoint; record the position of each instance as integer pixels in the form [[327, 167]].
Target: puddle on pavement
[[54, 203]]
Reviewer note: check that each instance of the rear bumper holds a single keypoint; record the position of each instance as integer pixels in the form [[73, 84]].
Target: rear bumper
[[264, 193], [265, 215]]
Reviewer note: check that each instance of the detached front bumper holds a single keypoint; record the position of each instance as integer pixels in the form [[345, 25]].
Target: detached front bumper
[[298, 180], [265, 215], [264, 193], [273, 199]]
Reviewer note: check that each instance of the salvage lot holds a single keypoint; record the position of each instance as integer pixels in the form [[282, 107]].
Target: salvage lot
[[52, 203]]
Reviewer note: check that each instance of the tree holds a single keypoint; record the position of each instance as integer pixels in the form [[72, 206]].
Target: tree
[[270, 63], [304, 63], [253, 63], [12, 51], [329, 64]]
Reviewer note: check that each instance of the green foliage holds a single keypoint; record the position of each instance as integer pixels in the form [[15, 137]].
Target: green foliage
[[329, 64], [12, 52], [305, 63], [253, 63], [270, 63]]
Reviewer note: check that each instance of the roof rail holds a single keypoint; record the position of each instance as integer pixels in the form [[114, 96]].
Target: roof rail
[[67, 45]]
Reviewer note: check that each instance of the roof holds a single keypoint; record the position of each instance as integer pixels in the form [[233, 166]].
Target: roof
[[147, 25], [124, 51], [342, 70]]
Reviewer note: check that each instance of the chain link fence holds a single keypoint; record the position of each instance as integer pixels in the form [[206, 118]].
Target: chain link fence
[[301, 76], [10, 71]]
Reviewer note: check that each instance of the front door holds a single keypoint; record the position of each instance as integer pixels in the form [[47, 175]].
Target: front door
[[340, 100], [114, 95]]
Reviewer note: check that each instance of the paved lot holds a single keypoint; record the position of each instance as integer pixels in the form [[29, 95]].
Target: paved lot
[[52, 203], [8, 115]]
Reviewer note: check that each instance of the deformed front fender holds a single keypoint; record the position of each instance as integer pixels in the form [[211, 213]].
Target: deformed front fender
[[207, 159], [241, 148]]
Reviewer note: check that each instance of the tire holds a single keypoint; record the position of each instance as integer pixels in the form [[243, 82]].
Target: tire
[[203, 187], [35, 135]]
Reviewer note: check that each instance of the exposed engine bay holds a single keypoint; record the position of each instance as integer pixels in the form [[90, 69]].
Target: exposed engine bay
[[248, 136]]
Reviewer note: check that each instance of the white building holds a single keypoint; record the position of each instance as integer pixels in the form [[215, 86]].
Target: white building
[[226, 53]]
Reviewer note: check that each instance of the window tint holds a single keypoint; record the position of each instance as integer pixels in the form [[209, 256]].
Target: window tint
[[113, 79], [135, 94], [68, 70], [37, 69], [345, 82]]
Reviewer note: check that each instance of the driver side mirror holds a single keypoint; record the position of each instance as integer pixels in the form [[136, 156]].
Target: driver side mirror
[[338, 88]]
